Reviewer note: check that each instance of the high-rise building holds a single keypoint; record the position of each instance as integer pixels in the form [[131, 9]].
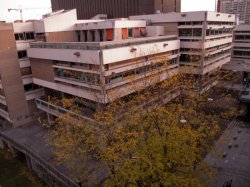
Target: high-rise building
[[241, 8], [116, 8]]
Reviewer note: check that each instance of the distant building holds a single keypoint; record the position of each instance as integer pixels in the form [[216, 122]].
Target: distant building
[[206, 38], [87, 9], [241, 8]]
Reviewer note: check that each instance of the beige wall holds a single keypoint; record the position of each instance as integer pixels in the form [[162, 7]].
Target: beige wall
[[10, 73], [66, 36], [169, 28], [42, 69]]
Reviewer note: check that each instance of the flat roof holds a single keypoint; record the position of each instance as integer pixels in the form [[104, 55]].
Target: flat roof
[[102, 45]]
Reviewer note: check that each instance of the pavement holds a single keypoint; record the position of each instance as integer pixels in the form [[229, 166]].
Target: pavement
[[232, 156], [32, 136]]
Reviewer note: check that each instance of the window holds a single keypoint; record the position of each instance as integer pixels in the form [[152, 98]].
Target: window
[[26, 71], [19, 36], [92, 35], [29, 35], [22, 54], [101, 35], [30, 87], [130, 33]]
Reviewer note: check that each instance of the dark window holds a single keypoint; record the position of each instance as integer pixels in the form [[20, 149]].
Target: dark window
[[30, 87], [22, 54], [29, 35], [19, 36], [130, 33]]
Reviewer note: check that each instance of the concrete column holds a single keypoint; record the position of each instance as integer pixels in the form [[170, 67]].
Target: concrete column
[[12, 150], [2, 145], [28, 162], [97, 36]]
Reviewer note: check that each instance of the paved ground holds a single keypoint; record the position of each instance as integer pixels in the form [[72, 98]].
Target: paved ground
[[235, 165]]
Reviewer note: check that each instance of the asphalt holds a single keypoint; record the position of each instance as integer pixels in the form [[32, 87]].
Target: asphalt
[[235, 165]]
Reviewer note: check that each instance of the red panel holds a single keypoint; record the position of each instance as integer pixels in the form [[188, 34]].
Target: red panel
[[109, 34], [124, 33]]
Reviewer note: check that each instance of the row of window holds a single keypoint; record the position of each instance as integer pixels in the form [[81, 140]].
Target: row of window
[[77, 65], [212, 32], [24, 36], [190, 32], [88, 78], [139, 71], [242, 53], [216, 55], [108, 34], [242, 37]]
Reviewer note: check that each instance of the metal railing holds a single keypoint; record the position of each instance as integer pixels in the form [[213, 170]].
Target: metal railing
[[58, 110], [100, 45], [43, 163]]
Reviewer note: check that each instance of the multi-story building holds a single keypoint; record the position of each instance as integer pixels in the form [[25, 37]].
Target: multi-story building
[[111, 59], [241, 8], [116, 8], [205, 38], [241, 45], [17, 91]]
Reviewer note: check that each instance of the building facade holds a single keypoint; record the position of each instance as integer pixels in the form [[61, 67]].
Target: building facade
[[205, 38], [116, 8], [241, 8], [111, 59]]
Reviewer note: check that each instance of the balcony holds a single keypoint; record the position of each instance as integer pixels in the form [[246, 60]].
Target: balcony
[[5, 115], [2, 100], [27, 79], [34, 94], [55, 110]]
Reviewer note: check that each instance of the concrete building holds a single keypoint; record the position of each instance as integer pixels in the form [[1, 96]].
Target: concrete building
[[111, 59], [206, 38], [17, 91], [241, 8], [116, 8]]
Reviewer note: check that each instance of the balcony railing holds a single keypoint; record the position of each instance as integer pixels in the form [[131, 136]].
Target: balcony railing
[[101, 45], [58, 110], [5, 115]]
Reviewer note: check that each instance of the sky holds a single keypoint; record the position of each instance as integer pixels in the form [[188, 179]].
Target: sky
[[34, 9]]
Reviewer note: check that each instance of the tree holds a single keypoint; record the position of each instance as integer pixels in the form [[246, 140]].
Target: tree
[[136, 144]]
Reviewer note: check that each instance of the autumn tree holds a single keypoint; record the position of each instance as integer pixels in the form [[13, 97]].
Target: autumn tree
[[141, 143]]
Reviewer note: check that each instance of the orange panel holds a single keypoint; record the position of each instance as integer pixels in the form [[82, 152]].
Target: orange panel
[[124, 33], [109, 34], [136, 32]]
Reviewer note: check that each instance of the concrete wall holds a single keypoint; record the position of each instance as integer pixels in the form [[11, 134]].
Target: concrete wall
[[64, 36], [42, 69], [10, 73]]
